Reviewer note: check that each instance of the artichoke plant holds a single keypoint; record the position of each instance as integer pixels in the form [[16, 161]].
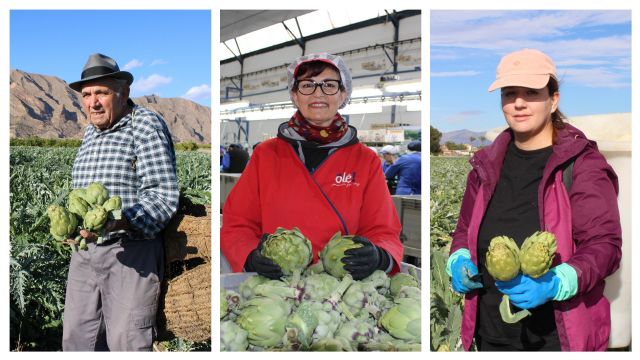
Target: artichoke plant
[[537, 253], [289, 249], [503, 258], [62, 224], [403, 320], [95, 218], [333, 252]]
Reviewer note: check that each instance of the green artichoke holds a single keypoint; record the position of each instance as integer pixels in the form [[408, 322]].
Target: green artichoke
[[95, 218], [502, 258], [78, 205], [319, 286], [327, 344], [77, 193], [537, 253], [96, 194], [300, 327], [333, 252], [264, 319], [62, 224], [232, 337], [224, 304], [399, 280], [114, 203], [403, 320], [289, 249], [357, 332], [247, 287]]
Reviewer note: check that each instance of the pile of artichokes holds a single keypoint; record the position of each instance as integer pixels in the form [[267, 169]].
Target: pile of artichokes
[[314, 310], [505, 261], [87, 208]]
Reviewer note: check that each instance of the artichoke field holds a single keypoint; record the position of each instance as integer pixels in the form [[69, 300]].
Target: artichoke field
[[316, 311], [448, 180]]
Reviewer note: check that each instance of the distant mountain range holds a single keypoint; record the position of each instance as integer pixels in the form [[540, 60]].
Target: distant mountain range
[[464, 137], [44, 106]]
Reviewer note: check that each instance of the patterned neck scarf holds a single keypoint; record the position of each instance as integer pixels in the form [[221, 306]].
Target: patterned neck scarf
[[319, 134]]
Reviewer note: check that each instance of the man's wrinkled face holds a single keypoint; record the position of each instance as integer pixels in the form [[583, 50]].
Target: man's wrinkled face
[[103, 103]]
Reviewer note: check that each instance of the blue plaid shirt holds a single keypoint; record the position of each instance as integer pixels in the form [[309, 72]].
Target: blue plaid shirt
[[135, 160]]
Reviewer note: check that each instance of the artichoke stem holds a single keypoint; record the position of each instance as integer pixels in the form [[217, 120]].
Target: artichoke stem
[[506, 314]]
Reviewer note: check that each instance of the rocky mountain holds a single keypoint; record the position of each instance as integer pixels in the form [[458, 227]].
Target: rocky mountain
[[464, 137], [44, 106]]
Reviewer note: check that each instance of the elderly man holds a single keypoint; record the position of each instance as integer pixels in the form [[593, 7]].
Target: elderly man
[[113, 287]]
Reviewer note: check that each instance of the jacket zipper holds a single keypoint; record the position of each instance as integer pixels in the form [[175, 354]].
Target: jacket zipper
[[335, 210]]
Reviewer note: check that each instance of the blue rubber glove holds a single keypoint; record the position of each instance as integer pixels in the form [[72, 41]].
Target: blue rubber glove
[[462, 269], [526, 292]]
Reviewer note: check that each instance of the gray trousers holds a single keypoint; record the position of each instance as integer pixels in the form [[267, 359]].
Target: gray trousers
[[112, 297]]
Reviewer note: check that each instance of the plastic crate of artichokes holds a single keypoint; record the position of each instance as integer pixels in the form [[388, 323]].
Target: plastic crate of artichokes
[[319, 307]]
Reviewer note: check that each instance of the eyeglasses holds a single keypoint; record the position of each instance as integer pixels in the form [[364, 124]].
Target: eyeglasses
[[328, 87]]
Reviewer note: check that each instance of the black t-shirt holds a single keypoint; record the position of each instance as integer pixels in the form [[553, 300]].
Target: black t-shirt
[[513, 212]]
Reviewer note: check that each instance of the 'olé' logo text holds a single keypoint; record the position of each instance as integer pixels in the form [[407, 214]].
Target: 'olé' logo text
[[346, 179]]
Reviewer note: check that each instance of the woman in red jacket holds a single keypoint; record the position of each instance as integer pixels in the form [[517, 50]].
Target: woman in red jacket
[[315, 176], [515, 188]]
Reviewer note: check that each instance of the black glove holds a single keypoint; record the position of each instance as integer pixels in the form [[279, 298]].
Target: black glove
[[261, 264], [363, 261]]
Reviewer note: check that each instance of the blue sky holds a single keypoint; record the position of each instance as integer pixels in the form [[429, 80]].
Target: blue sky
[[591, 49], [167, 51]]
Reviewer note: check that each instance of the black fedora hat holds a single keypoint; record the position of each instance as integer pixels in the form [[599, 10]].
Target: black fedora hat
[[100, 66]]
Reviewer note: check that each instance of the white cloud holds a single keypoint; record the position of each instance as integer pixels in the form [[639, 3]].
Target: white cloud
[[511, 30], [579, 41], [159, 62], [144, 85], [455, 73], [199, 92], [132, 64], [595, 77]]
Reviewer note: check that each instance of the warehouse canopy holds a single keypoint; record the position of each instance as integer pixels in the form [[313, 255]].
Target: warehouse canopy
[[235, 23], [244, 31]]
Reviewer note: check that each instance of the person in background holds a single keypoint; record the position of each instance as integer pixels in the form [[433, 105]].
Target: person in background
[[315, 176], [389, 156], [516, 188], [408, 169], [235, 159], [113, 287]]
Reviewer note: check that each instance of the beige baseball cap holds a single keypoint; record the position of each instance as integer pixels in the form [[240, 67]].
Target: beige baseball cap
[[528, 68]]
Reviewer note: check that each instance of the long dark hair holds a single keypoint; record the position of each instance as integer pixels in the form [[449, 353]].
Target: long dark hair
[[557, 117]]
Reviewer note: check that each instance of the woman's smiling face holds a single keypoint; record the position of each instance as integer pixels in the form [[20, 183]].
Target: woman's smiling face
[[319, 108], [528, 111]]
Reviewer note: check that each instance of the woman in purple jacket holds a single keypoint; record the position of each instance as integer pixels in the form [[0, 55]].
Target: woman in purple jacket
[[515, 188]]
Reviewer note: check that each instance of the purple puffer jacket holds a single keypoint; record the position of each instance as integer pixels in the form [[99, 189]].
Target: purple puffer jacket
[[586, 225]]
